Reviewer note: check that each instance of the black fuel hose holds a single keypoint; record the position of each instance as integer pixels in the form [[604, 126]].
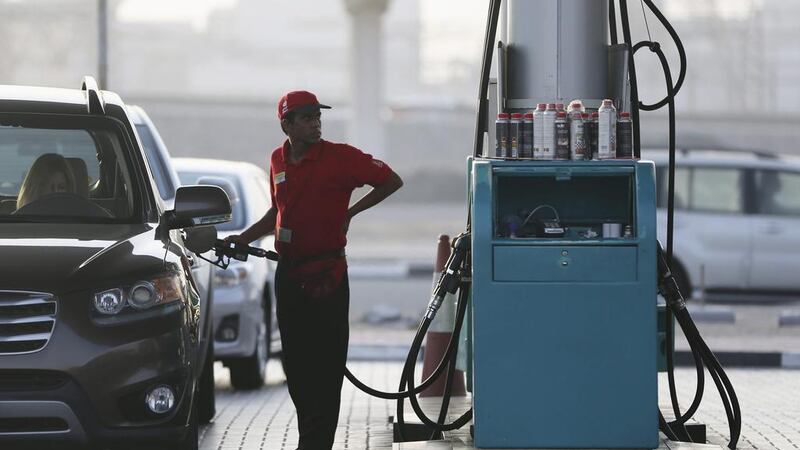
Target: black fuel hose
[[612, 22], [409, 373], [626, 34], [481, 118], [681, 54], [451, 346]]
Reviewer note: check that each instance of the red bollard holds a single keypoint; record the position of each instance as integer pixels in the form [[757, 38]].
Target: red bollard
[[439, 333]]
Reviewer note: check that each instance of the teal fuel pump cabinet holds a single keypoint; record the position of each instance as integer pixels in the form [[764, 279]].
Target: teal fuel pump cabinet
[[564, 332]]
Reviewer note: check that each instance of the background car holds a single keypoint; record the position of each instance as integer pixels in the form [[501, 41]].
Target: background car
[[100, 318], [736, 220], [246, 332], [166, 179]]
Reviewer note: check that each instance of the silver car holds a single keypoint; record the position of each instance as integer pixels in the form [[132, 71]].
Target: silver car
[[736, 221], [245, 326]]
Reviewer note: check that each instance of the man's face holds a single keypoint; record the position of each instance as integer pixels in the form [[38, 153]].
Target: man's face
[[307, 127]]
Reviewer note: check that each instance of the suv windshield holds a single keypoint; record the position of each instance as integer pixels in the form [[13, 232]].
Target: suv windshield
[[64, 170]]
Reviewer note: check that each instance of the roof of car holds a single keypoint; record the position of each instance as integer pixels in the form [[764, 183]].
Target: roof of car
[[49, 99], [212, 165], [725, 158]]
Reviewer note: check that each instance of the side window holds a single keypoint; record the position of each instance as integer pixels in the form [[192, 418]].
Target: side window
[[717, 189], [682, 177], [777, 193]]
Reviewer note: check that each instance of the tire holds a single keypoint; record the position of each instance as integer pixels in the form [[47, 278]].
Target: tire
[[191, 440], [250, 372], [206, 399]]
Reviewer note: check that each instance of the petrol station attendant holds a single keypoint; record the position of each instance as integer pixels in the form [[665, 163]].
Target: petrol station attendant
[[311, 182]]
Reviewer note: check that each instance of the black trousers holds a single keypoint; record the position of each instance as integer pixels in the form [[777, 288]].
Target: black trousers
[[314, 335]]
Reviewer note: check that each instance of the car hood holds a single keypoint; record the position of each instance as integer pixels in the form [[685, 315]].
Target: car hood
[[61, 258]]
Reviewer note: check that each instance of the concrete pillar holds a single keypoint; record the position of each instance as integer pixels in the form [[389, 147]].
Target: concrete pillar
[[365, 129]]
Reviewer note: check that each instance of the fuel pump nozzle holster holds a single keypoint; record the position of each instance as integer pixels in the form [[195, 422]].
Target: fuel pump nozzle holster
[[667, 285], [450, 279]]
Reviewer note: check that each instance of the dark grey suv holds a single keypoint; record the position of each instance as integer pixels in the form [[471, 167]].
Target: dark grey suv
[[102, 340]]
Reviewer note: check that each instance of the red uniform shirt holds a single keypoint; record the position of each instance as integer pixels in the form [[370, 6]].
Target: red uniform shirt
[[313, 196]]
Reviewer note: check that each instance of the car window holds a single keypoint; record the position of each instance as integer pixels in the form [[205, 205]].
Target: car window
[[65, 170], [157, 165], [777, 193], [716, 189], [238, 217], [682, 178]]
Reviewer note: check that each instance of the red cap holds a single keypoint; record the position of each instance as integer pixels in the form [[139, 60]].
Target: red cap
[[516, 115], [298, 101], [559, 106], [529, 115], [624, 114], [584, 115], [561, 114], [541, 106], [502, 116], [595, 114]]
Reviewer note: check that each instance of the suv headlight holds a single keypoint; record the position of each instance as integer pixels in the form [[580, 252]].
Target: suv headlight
[[234, 275], [109, 302], [142, 295]]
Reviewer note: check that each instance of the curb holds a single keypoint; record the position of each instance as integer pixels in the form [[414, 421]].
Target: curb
[[784, 360], [380, 353]]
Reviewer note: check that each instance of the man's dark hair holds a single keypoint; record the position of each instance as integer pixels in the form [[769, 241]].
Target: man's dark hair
[[289, 117]]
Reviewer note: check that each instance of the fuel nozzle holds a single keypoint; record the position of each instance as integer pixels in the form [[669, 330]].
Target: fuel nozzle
[[667, 285], [450, 279]]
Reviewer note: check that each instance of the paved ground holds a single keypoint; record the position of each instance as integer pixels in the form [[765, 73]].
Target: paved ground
[[264, 419]]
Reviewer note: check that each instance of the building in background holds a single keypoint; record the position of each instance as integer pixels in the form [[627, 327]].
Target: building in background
[[212, 89]]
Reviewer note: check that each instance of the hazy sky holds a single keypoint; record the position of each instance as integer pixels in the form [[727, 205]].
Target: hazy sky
[[196, 11], [451, 11]]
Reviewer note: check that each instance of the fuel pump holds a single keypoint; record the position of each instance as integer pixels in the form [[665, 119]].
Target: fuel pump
[[563, 330]]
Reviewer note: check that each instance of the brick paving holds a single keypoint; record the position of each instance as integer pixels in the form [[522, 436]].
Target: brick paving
[[264, 419]]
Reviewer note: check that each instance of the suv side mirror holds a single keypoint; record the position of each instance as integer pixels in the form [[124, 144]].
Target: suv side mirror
[[199, 205]]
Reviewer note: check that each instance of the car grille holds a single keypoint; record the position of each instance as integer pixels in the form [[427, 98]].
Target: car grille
[[14, 380], [26, 321]]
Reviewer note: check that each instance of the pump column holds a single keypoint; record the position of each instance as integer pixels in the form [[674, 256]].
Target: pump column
[[365, 129]]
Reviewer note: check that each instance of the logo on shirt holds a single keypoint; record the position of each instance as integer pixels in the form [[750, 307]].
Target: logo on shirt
[[280, 177], [285, 106]]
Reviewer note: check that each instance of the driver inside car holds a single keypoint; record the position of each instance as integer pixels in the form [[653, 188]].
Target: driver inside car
[[49, 174]]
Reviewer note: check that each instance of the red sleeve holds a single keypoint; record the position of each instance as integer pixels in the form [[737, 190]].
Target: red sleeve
[[361, 168]]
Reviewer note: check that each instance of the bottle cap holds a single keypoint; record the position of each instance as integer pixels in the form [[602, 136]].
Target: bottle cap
[[584, 115], [561, 114], [559, 106], [529, 115], [551, 106], [503, 116], [516, 115], [576, 104], [608, 102], [541, 106], [595, 114]]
